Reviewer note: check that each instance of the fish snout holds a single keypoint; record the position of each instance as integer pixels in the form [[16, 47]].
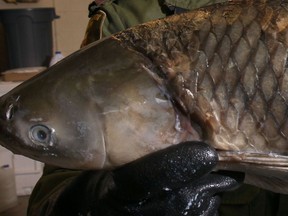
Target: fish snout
[[8, 108]]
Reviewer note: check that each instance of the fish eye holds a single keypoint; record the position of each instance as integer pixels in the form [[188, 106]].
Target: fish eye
[[41, 134]]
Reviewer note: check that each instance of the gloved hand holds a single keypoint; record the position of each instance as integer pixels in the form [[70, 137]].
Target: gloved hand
[[173, 181]]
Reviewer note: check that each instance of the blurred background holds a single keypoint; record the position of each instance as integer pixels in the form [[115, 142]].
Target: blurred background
[[67, 30]]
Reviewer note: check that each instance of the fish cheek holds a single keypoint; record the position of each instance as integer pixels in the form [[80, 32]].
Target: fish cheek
[[80, 140], [143, 125]]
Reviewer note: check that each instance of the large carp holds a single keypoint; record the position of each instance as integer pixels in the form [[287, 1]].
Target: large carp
[[217, 74]]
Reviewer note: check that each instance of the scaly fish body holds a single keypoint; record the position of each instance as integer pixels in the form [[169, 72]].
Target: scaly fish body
[[219, 73]]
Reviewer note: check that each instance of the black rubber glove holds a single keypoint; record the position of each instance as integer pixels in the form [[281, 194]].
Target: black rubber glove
[[173, 181]]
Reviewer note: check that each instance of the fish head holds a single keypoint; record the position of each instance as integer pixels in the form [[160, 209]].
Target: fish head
[[92, 110], [39, 121]]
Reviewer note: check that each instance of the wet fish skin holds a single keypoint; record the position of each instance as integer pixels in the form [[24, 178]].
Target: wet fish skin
[[225, 67], [222, 67], [91, 109]]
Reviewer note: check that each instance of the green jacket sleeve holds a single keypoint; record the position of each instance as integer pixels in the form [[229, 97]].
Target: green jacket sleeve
[[115, 16], [124, 14]]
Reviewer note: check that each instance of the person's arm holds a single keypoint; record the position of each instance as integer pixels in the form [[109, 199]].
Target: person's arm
[[176, 180], [48, 188], [109, 17], [114, 16]]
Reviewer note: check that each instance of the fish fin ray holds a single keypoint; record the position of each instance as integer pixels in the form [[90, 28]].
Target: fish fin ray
[[271, 183]]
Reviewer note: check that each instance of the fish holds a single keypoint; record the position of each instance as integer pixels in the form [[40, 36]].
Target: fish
[[216, 74]]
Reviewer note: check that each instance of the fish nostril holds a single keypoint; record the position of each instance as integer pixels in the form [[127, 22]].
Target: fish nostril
[[9, 108], [10, 111]]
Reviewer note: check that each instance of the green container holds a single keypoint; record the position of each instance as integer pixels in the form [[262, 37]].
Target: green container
[[28, 34]]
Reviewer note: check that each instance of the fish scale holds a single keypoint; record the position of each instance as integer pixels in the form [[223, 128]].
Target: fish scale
[[235, 84], [236, 65]]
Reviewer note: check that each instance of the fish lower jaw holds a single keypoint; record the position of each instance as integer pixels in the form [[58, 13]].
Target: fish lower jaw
[[11, 147], [7, 140]]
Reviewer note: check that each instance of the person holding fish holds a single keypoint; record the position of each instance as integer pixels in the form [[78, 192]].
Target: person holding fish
[[177, 180]]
